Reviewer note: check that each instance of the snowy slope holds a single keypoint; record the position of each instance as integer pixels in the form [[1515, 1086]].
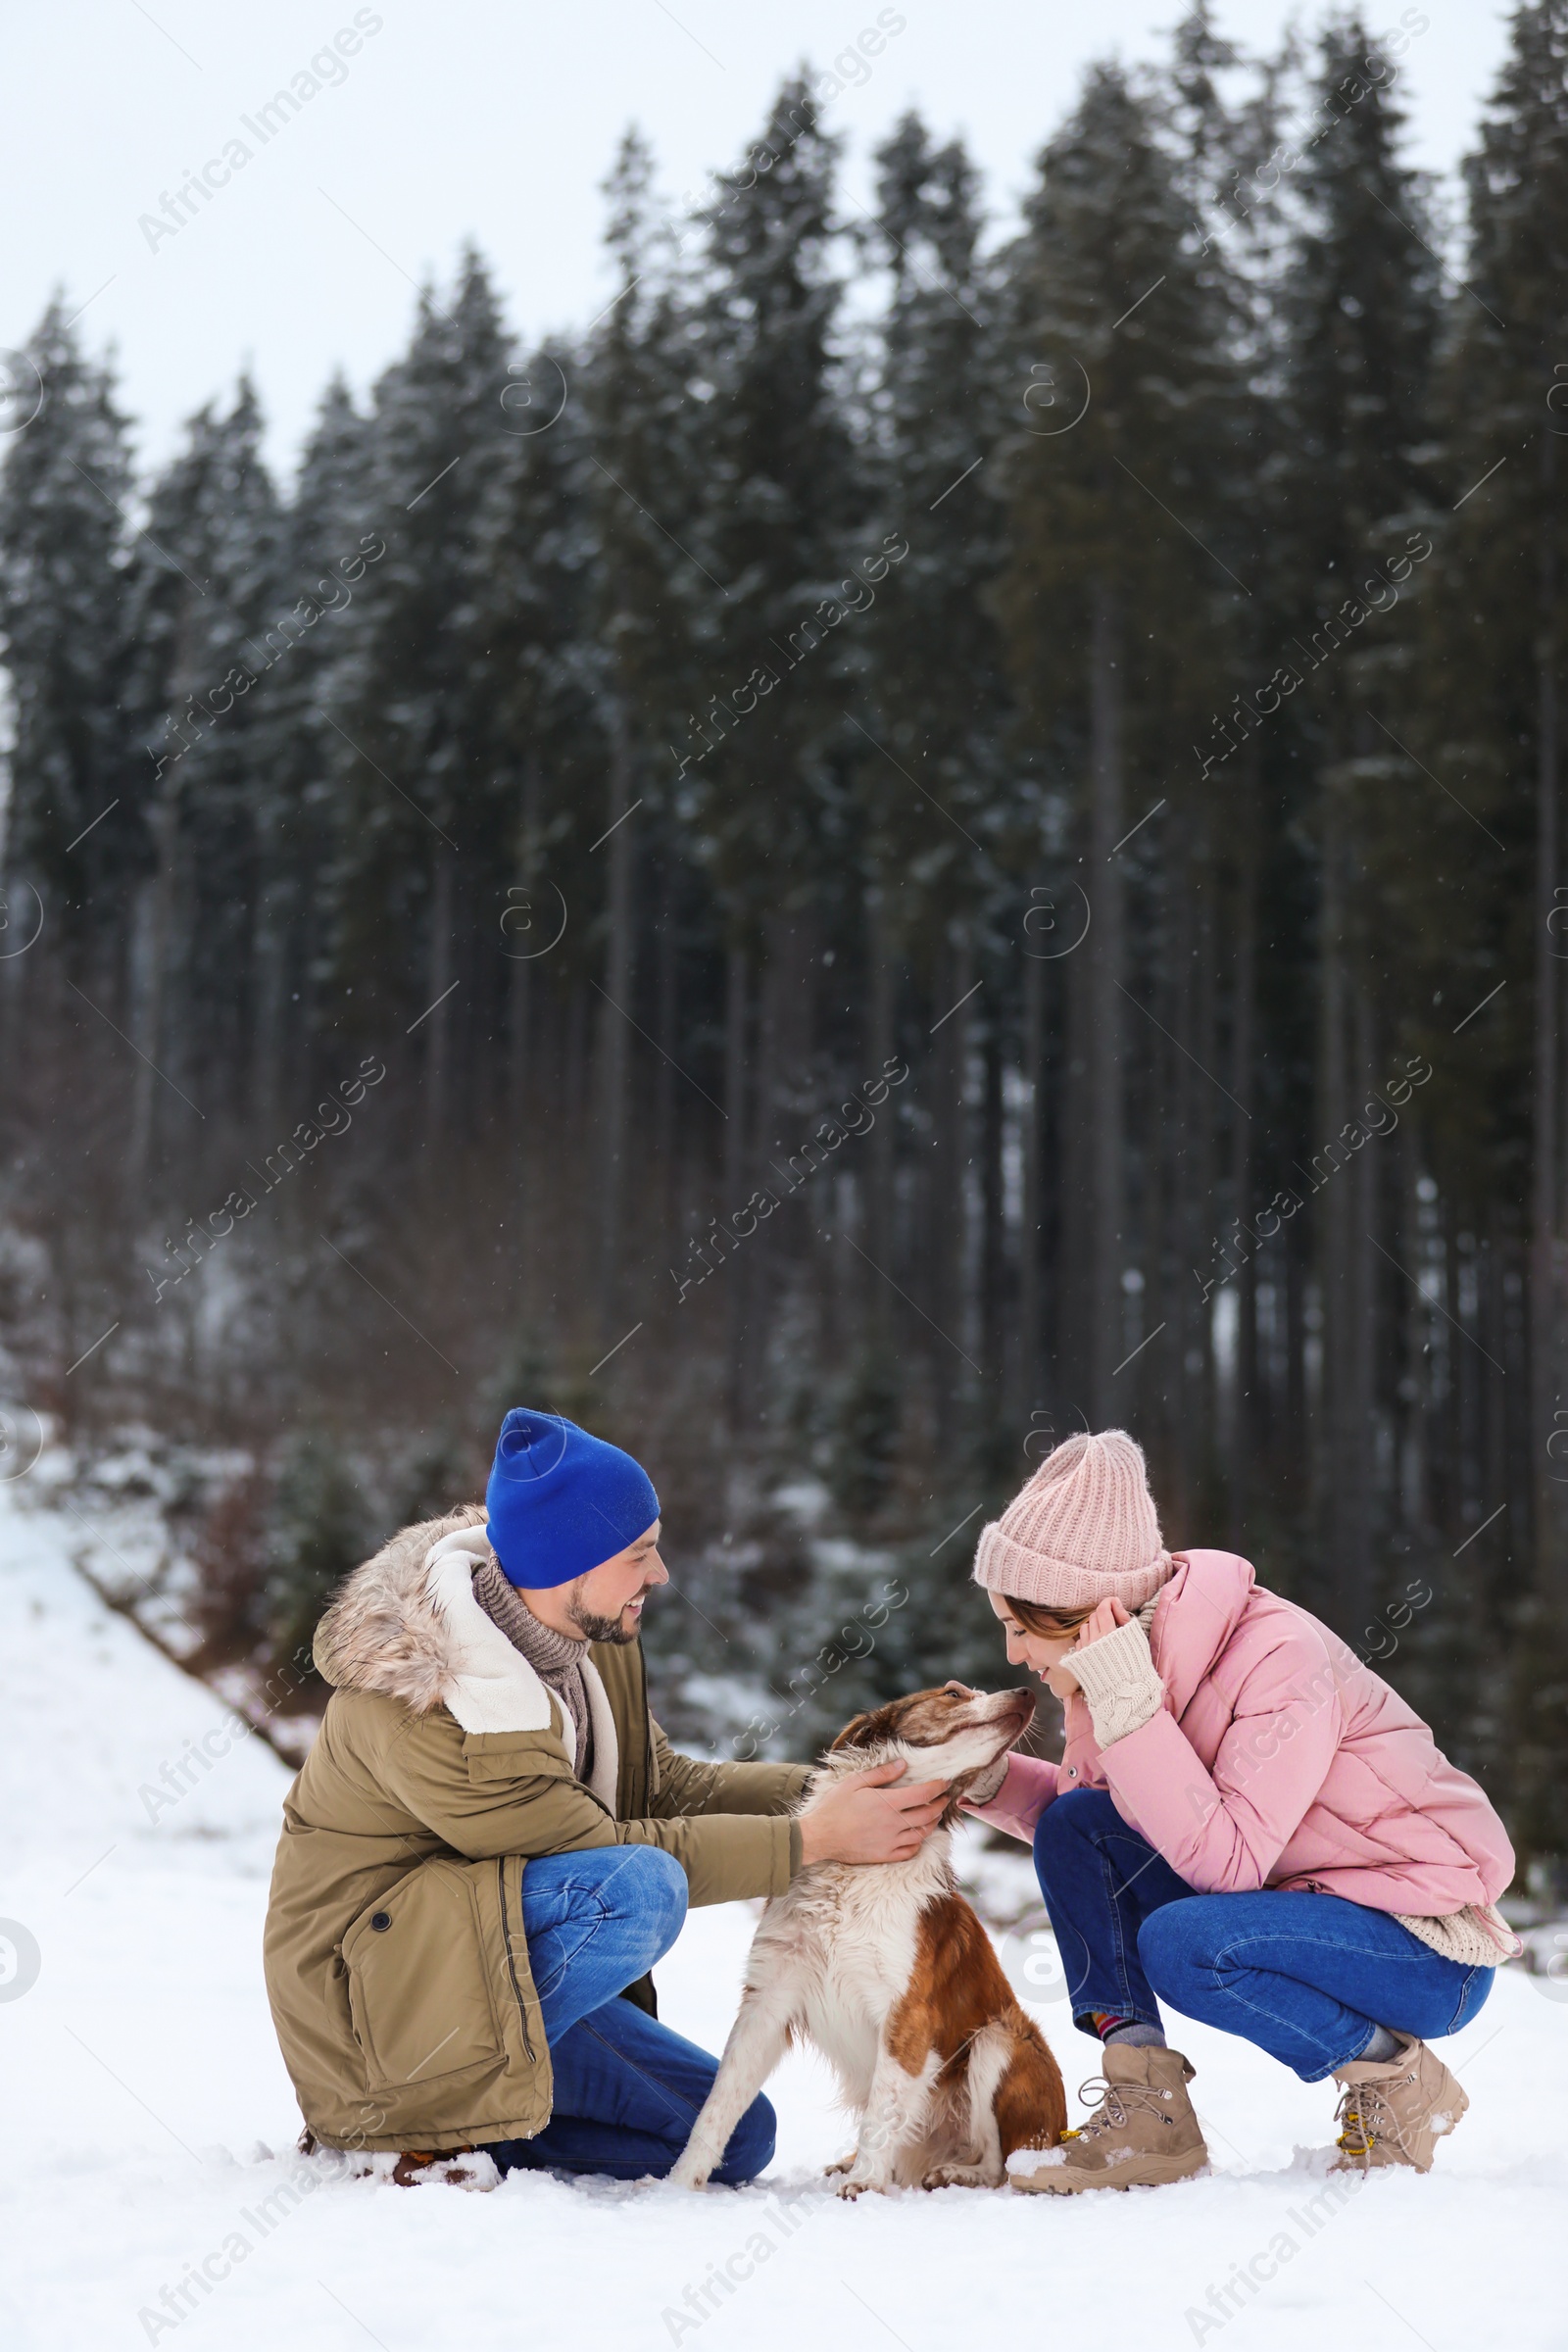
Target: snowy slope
[[148, 2124]]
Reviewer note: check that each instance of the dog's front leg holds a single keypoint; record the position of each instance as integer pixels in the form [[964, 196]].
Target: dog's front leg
[[757, 2041], [896, 2114]]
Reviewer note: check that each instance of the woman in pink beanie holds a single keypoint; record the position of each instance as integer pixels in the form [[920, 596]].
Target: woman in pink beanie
[[1247, 1823]]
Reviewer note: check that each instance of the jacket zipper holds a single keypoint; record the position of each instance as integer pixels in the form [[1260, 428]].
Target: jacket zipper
[[512, 1965]]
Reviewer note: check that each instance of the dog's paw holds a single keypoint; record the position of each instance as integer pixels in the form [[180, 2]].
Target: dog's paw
[[690, 2173], [844, 2164], [851, 2188], [960, 2176]]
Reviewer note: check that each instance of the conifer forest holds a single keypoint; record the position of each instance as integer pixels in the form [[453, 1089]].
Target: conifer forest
[[923, 836]]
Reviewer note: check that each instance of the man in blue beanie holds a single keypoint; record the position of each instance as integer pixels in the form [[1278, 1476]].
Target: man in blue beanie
[[492, 1842]]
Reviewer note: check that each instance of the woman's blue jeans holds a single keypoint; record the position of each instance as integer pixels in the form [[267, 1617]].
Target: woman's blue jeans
[[627, 2089], [1307, 1977]]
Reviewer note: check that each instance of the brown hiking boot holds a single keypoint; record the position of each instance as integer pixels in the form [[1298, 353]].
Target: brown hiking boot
[[416, 2168], [1395, 2112], [1142, 2134]]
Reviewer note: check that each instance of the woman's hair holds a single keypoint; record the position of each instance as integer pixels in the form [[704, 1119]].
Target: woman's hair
[[1051, 1623]]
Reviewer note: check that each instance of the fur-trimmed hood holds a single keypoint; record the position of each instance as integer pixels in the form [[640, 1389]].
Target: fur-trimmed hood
[[406, 1627], [385, 1630]]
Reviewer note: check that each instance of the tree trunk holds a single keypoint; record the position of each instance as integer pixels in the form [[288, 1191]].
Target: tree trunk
[[991, 1319], [1341, 1498], [1031, 1239], [1203, 1164], [438, 982], [516, 944], [1107, 1152], [667, 1156], [614, 1030], [881, 1031], [1245, 1420], [269, 966], [151, 954], [1544, 1267], [948, 1206], [737, 1008], [1363, 1331], [783, 1114], [1193, 1233]]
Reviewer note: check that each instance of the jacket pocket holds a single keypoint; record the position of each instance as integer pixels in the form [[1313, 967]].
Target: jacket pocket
[[421, 1999]]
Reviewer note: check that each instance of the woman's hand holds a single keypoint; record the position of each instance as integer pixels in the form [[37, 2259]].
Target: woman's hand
[[864, 1819], [1105, 1619], [1113, 1665]]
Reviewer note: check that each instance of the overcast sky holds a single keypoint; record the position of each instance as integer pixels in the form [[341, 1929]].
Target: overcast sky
[[495, 120]]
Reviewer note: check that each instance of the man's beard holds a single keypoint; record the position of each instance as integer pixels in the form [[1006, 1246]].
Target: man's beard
[[605, 1629]]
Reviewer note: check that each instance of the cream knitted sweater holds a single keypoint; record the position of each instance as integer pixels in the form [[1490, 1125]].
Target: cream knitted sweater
[[1116, 1675]]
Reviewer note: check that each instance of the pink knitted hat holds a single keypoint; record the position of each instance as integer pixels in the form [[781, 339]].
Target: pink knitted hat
[[1084, 1530]]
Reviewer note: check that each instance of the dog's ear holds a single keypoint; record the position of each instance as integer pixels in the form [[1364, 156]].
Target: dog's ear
[[865, 1729]]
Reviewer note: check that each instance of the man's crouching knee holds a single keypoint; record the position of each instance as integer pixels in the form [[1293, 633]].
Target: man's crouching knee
[[649, 1887]]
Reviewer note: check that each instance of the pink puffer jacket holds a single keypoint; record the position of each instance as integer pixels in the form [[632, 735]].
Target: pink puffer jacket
[[1278, 1760]]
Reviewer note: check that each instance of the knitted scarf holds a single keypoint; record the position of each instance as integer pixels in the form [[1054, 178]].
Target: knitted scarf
[[555, 1658]]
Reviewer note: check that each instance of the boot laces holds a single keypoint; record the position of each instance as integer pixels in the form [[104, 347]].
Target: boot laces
[[1115, 2102], [1367, 2116]]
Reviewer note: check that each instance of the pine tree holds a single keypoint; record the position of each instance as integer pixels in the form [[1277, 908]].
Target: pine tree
[[1119, 595], [79, 777], [930, 762], [334, 542], [1362, 305], [208, 631], [645, 459], [780, 510], [421, 735], [1509, 545]]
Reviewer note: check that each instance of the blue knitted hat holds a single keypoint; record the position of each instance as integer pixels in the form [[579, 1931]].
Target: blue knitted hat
[[560, 1501]]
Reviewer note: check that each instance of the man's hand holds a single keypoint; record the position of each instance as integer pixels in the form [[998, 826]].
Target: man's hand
[[864, 1819]]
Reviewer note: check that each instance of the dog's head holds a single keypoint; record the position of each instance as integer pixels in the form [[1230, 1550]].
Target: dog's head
[[954, 1734]]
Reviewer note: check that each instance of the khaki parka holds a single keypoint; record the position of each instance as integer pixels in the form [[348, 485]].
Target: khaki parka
[[396, 1963]]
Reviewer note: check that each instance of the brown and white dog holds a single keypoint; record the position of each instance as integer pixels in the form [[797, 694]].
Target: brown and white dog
[[889, 1972]]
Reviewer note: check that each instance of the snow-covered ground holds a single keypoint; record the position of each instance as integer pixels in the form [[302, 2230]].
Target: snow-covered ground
[[149, 2193]]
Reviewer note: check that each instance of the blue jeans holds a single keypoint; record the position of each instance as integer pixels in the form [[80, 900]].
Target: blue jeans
[[627, 2089], [1307, 1977]]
